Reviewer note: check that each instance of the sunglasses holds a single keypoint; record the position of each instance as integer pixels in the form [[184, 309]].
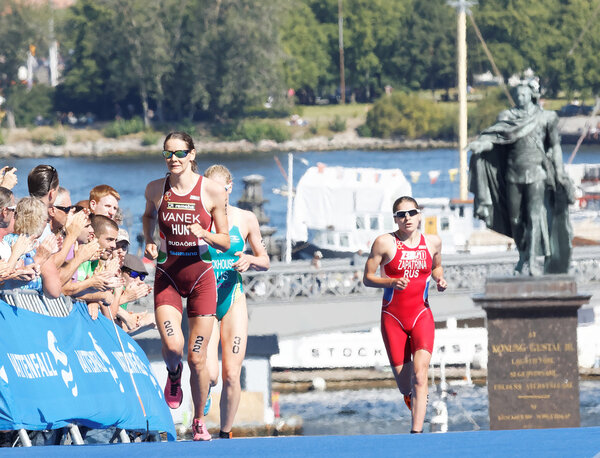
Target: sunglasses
[[180, 153], [404, 213], [64, 209], [12, 208], [77, 208], [135, 274]]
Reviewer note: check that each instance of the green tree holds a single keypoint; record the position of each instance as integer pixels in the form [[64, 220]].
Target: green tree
[[408, 115], [91, 41], [21, 25], [238, 65], [306, 63], [427, 46]]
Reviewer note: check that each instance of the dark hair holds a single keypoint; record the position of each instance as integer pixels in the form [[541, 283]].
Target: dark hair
[[189, 143], [399, 200], [41, 180], [101, 224], [5, 197]]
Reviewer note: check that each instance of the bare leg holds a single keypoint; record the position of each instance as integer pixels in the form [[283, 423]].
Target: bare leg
[[234, 337], [200, 331], [168, 321], [403, 376], [421, 361], [212, 356]]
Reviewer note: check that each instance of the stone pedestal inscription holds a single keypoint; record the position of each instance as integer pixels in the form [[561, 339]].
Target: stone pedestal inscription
[[533, 376]]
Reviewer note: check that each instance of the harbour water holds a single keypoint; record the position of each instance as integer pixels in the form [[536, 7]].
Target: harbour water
[[129, 175], [382, 411]]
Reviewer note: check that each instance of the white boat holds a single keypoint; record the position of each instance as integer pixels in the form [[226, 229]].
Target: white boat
[[341, 210]]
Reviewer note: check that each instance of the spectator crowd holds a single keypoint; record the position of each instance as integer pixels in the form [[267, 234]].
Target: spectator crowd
[[55, 247]]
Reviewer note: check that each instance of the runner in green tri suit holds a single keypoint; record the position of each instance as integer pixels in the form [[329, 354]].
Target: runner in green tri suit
[[232, 315], [229, 280]]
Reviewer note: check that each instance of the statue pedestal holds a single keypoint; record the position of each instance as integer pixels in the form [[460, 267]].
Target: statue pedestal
[[533, 375]]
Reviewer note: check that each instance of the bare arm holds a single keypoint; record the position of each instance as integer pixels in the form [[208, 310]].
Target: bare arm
[[22, 245], [217, 203], [149, 218], [379, 255], [82, 253], [102, 297], [75, 224], [51, 280], [259, 260], [434, 244]]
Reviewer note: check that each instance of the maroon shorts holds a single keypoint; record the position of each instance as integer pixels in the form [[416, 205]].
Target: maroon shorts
[[401, 342], [201, 300]]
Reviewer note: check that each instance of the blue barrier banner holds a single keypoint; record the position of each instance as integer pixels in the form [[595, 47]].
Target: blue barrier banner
[[56, 371]]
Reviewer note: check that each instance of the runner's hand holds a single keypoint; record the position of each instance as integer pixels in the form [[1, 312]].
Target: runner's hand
[[442, 284], [242, 264], [151, 251], [399, 283], [198, 230]]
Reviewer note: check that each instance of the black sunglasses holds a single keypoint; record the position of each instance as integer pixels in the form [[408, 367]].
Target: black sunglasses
[[404, 213], [134, 274], [64, 209], [77, 208], [179, 153]]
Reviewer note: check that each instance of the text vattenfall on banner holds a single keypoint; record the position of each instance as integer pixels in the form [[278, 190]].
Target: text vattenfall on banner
[[60, 370]]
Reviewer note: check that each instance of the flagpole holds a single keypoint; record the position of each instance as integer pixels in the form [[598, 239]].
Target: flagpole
[[461, 43]]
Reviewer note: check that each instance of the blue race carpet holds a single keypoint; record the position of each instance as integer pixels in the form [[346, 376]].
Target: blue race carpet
[[568, 442]]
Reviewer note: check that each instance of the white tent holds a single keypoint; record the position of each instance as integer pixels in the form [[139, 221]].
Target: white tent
[[331, 197]]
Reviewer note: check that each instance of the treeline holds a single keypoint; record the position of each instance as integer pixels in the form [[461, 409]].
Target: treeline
[[224, 59]]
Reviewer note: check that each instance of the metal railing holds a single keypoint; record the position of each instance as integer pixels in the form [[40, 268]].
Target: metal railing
[[464, 273], [33, 301]]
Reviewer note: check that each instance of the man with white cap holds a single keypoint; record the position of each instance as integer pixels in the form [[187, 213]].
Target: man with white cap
[[122, 244]]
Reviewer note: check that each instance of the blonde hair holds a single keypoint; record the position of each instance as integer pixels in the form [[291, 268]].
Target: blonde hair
[[31, 216], [218, 169]]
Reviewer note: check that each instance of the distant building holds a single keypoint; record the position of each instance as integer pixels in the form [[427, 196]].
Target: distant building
[[487, 79]]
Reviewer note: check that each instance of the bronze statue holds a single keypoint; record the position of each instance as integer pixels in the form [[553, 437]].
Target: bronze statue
[[521, 190]]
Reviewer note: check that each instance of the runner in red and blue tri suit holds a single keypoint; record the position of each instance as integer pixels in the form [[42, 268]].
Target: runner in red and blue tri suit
[[407, 259], [185, 204]]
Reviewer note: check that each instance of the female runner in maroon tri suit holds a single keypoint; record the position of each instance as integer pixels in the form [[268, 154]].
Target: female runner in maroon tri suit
[[407, 259], [185, 204]]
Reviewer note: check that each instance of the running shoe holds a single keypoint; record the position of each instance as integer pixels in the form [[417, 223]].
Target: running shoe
[[224, 435], [173, 392], [408, 401], [199, 430], [208, 402]]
